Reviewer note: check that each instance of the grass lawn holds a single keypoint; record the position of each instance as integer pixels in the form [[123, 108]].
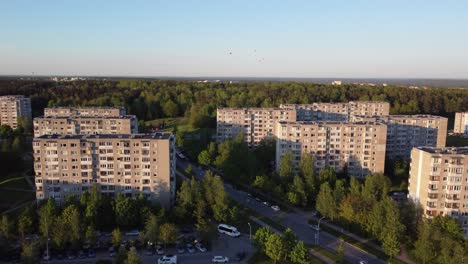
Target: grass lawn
[[453, 141]]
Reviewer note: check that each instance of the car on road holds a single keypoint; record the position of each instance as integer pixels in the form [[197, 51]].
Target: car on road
[[275, 208], [181, 156], [228, 230], [220, 259], [258, 199], [200, 247], [266, 203], [190, 248], [362, 262], [168, 259]]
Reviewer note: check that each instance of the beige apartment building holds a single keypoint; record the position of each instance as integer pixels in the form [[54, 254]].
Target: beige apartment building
[[407, 131], [123, 163], [461, 124], [74, 125], [91, 111], [255, 123], [13, 107], [357, 147], [439, 182], [338, 111]]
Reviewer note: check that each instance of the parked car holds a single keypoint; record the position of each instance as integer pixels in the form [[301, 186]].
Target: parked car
[[200, 247], [180, 155], [112, 252], [190, 248], [240, 256], [91, 253], [149, 252], [220, 259], [70, 255], [81, 254], [180, 249], [46, 256], [266, 203], [159, 250], [275, 208], [168, 259]]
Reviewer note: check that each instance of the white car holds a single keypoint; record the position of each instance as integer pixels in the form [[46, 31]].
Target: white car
[[168, 259], [275, 208], [200, 247], [220, 259], [180, 155]]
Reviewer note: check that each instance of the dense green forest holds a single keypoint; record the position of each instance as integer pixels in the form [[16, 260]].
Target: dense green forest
[[198, 101]]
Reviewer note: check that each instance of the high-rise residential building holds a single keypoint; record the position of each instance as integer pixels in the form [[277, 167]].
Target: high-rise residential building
[[123, 163], [74, 125], [338, 111], [358, 148], [91, 111], [439, 182], [461, 123], [407, 131], [13, 107], [255, 123]]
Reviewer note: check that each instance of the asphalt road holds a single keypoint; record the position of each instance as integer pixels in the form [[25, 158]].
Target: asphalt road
[[296, 221]]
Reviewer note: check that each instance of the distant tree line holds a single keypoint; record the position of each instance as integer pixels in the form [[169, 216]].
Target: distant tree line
[[198, 101]]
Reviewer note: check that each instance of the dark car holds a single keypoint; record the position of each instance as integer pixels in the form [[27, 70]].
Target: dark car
[[239, 256], [91, 253]]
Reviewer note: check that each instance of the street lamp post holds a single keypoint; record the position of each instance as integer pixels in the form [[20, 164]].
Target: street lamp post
[[318, 229], [250, 232]]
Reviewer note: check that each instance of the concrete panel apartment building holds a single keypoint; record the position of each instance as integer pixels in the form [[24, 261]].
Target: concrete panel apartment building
[[127, 164], [85, 120], [255, 123], [85, 111], [439, 182], [75, 125], [407, 131], [13, 107], [359, 147], [338, 111], [461, 124]]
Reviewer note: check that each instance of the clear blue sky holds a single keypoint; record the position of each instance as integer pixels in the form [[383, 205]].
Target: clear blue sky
[[277, 38]]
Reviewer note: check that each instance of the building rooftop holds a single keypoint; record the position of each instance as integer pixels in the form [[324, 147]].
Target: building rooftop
[[445, 150], [11, 96], [86, 107], [86, 117], [402, 116], [156, 135], [254, 108], [329, 123]]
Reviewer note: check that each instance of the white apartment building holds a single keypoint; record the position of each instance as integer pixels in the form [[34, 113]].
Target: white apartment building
[[13, 107], [439, 182], [122, 163], [357, 147]]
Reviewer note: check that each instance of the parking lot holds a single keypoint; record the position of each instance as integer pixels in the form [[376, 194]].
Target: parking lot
[[223, 246]]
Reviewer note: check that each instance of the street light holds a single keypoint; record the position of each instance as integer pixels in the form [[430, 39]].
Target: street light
[[250, 232], [317, 228]]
